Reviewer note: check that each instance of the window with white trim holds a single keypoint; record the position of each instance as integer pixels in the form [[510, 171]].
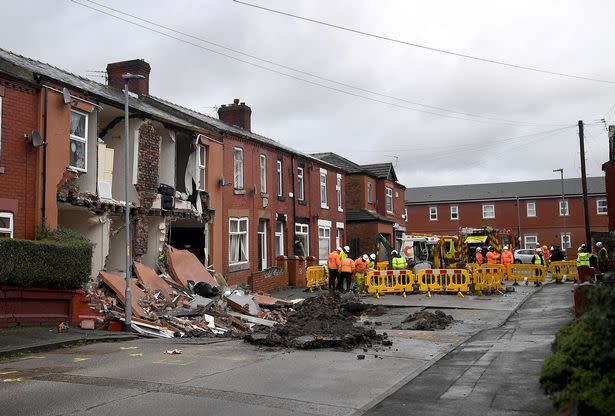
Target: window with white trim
[[302, 238], [238, 168], [406, 214], [566, 241], [201, 157], [300, 184], [324, 243], [454, 212], [279, 171], [279, 238], [6, 225], [530, 241], [530, 209], [563, 208], [338, 192], [263, 173], [238, 240], [324, 203], [370, 189], [601, 208], [78, 158], [488, 211], [433, 213], [388, 199]]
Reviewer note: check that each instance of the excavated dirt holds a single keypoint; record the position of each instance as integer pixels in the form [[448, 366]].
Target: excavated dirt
[[426, 321], [320, 322]]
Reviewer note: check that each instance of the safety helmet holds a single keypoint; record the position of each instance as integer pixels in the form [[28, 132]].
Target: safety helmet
[[537, 244], [539, 250], [505, 247], [394, 252], [544, 247], [552, 248], [338, 248], [372, 256], [490, 248], [346, 248], [599, 244], [478, 250], [365, 257]]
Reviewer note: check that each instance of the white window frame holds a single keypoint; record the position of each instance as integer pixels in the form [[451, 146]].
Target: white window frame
[[238, 168], [339, 229], [324, 233], [11, 228], [324, 200], [279, 238], [454, 212], [338, 192], [490, 217], [388, 199], [263, 173], [561, 238], [531, 237], [564, 204], [406, 213], [280, 176], [239, 220], [530, 212], [433, 213], [598, 207], [302, 228], [262, 235], [83, 140], [200, 166], [300, 184], [370, 190]]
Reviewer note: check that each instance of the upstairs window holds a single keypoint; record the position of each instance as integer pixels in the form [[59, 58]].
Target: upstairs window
[[324, 203], [601, 207], [238, 168], [263, 174], [78, 159], [433, 213], [300, 184], [279, 170], [563, 208], [388, 199], [338, 192], [454, 212], [6, 225], [531, 209], [200, 166], [370, 198], [488, 211]]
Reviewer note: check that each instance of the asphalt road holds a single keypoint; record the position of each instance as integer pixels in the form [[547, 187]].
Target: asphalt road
[[213, 377]]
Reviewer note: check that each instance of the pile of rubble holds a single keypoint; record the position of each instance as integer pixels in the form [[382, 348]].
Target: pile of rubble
[[185, 302], [321, 322], [426, 321]]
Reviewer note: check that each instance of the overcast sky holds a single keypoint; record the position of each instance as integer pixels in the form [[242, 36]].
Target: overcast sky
[[573, 37]]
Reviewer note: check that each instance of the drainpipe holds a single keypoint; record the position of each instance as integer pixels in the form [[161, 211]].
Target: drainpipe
[[44, 173]]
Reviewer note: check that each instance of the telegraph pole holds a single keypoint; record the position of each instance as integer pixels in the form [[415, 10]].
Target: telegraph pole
[[584, 185]]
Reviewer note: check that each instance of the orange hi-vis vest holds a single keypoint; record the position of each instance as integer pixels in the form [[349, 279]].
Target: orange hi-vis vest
[[347, 265], [507, 257], [492, 257], [479, 258], [334, 262], [360, 265]]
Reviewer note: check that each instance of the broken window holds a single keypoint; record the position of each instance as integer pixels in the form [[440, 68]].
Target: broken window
[[238, 240], [6, 225], [200, 166], [238, 168], [78, 140]]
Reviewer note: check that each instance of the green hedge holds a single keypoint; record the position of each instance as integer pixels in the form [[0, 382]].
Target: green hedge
[[60, 259]]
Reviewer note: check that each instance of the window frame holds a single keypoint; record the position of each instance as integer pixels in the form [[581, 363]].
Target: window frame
[[527, 209], [490, 217], [456, 218], [435, 212], [326, 230], [338, 192], [279, 239], [560, 206], [300, 184], [11, 229], [263, 173], [324, 197], [83, 140], [388, 198], [201, 166], [299, 231], [239, 220], [606, 207], [561, 240], [280, 177], [370, 190], [525, 238], [238, 173]]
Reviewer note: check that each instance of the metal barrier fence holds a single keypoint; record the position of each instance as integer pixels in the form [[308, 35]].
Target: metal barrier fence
[[528, 272], [561, 270], [316, 277]]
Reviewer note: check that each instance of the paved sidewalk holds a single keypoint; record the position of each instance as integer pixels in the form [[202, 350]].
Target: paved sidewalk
[[18, 340], [493, 373]]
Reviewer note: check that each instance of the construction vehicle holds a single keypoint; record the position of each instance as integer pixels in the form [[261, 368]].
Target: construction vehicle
[[472, 238]]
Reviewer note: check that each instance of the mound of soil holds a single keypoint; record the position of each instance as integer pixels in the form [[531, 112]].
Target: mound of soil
[[426, 321], [320, 322]]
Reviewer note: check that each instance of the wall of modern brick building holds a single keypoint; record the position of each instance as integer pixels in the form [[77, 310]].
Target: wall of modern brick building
[[547, 225], [18, 158], [250, 203]]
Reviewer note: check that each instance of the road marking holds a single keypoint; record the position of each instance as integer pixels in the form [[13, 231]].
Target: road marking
[[128, 348], [78, 359], [138, 354], [7, 372], [31, 357], [12, 380]]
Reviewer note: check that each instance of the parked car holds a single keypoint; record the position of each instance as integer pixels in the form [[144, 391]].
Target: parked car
[[524, 256]]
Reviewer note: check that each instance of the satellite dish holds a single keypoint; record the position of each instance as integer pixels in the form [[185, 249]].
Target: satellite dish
[[66, 95], [36, 139]]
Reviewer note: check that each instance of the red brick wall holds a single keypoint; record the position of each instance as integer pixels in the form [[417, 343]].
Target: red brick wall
[[547, 224], [398, 200], [268, 281], [609, 171], [18, 158]]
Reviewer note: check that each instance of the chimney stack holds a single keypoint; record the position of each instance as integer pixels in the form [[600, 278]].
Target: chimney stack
[[236, 114], [115, 71]]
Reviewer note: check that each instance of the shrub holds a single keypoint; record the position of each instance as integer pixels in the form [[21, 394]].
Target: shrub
[[60, 258]]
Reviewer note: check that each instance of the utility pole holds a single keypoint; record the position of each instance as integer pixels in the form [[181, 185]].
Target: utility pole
[[518, 222], [561, 171], [584, 185]]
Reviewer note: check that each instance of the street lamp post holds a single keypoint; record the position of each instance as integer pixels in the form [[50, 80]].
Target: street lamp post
[[565, 238], [128, 293]]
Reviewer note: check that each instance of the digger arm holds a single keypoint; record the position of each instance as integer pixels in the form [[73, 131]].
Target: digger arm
[[381, 240]]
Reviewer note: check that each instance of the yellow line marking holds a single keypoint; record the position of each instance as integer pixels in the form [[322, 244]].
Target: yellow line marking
[[8, 372], [138, 354], [12, 380], [128, 348], [31, 357], [78, 360]]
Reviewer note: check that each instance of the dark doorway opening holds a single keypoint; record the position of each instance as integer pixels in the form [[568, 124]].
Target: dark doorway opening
[[191, 238]]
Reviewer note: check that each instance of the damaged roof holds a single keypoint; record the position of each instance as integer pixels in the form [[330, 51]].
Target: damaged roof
[[376, 170], [29, 69], [550, 188]]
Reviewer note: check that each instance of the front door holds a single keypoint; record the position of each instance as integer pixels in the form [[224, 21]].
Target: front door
[[262, 244]]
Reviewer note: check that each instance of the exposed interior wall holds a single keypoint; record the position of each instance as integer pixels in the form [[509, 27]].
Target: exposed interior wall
[[94, 227], [155, 240], [214, 172], [167, 157], [87, 181], [116, 260]]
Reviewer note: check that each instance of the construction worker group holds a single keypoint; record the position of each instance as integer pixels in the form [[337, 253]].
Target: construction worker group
[[341, 267]]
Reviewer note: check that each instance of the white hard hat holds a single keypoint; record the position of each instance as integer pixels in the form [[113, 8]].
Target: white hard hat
[[365, 257], [478, 250], [338, 248], [346, 248], [538, 250], [394, 252], [505, 247], [372, 256], [552, 248], [599, 244]]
